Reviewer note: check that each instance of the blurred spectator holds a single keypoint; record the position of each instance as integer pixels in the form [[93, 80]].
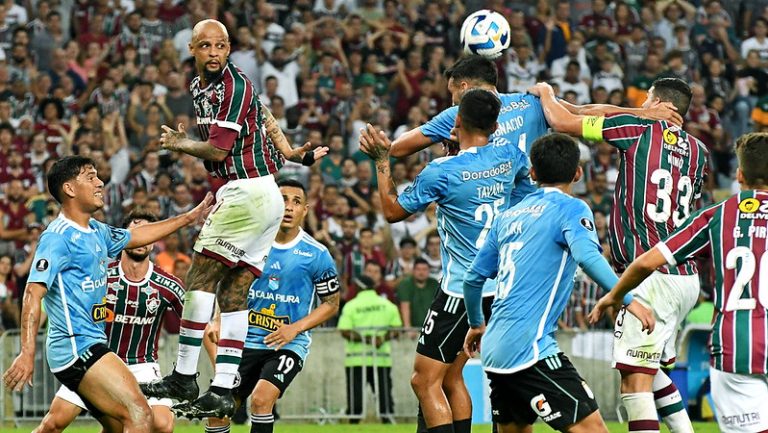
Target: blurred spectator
[[9, 303], [432, 255], [171, 256], [415, 293], [572, 83]]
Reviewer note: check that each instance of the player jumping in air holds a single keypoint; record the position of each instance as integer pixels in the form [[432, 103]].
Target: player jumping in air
[[69, 274], [138, 295], [470, 188], [242, 143], [660, 178], [281, 312], [735, 234], [533, 250]]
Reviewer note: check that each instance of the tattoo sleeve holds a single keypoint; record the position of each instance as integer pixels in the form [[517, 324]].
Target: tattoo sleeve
[[275, 133], [200, 149]]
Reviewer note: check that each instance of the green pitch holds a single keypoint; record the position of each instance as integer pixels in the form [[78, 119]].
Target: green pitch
[[284, 427]]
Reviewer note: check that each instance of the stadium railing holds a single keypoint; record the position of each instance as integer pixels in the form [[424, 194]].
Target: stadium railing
[[319, 392]]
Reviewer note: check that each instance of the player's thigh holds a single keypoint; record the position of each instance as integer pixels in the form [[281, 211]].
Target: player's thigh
[[740, 401], [62, 411], [593, 423], [110, 387], [514, 428], [454, 377], [551, 389], [233, 291], [428, 372], [445, 327], [280, 369]]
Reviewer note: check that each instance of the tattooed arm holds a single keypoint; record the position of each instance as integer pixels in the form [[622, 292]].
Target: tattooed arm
[[275, 133], [329, 306], [376, 145]]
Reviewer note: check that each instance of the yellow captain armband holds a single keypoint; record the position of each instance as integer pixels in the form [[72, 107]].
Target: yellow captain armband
[[592, 128]]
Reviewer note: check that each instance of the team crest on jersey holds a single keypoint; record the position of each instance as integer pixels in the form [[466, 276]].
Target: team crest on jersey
[[100, 312], [266, 319], [274, 282], [152, 305]]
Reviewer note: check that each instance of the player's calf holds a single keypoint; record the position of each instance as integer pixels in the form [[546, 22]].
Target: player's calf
[[669, 404]]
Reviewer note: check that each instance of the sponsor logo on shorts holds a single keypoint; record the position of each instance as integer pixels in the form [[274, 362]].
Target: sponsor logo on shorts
[[741, 420], [100, 312], [231, 248], [266, 319], [642, 354], [541, 406]]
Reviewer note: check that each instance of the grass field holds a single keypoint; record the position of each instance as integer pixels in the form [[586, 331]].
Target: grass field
[[284, 427]]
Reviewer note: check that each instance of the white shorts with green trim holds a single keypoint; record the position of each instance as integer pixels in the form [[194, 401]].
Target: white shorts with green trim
[[740, 401], [243, 224], [671, 297], [146, 372]]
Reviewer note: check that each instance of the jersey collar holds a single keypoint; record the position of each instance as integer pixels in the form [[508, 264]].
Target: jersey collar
[[74, 225], [138, 283], [295, 241]]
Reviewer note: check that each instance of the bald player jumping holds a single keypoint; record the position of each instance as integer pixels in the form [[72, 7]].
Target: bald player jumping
[[242, 143]]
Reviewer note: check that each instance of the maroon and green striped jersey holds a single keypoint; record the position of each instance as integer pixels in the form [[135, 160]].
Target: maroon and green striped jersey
[[138, 308], [661, 173], [736, 233], [231, 102]]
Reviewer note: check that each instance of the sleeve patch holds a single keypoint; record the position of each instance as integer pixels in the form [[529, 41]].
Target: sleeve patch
[[587, 224]]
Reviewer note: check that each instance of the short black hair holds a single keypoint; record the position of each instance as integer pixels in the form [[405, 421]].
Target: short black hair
[[673, 90], [474, 68], [56, 102], [365, 229], [407, 241], [479, 110], [555, 158], [420, 261], [139, 214], [7, 127], [65, 170], [292, 183], [752, 151]]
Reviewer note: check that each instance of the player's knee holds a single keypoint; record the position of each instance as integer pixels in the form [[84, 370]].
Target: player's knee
[[261, 404], [162, 421], [140, 414], [421, 383], [49, 424]]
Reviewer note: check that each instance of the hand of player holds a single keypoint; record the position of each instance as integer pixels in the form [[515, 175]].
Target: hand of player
[[201, 211], [20, 372], [643, 314], [540, 89], [663, 111], [170, 138], [602, 306], [472, 341], [374, 143], [282, 336]]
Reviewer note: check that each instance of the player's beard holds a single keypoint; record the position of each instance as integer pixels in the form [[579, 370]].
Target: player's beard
[[137, 257], [211, 76]]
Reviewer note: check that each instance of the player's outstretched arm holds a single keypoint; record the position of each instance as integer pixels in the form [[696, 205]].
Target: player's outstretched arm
[[178, 141], [658, 111], [23, 366], [560, 118], [302, 155], [409, 143], [376, 145], [145, 234], [638, 271], [329, 306]]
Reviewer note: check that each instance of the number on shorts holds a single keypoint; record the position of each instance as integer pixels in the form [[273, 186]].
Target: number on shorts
[[743, 277], [286, 364], [429, 323]]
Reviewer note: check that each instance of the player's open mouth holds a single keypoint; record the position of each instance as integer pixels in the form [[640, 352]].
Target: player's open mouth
[[213, 63]]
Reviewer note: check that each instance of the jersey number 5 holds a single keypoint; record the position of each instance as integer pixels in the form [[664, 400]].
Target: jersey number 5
[[744, 276]]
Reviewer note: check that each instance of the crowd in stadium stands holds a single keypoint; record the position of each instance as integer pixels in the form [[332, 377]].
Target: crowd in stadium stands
[[100, 77]]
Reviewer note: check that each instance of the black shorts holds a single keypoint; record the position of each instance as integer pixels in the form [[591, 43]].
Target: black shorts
[[73, 375], [551, 389], [445, 327], [276, 367]]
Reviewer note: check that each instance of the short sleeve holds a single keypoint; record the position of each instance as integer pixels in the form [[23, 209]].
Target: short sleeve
[[52, 255], [429, 186], [405, 290], [578, 223], [325, 276], [174, 296], [439, 127], [688, 239], [234, 107], [486, 263], [622, 130], [115, 238]]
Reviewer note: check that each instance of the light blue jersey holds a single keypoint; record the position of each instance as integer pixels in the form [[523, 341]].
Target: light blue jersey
[[521, 122], [294, 276], [71, 262], [470, 189], [530, 251]]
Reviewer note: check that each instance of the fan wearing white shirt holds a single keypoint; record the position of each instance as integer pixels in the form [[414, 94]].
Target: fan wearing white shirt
[[758, 42]]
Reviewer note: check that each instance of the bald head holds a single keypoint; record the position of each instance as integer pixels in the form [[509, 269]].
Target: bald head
[[210, 26]]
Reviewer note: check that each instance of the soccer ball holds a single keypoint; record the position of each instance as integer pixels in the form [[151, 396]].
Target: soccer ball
[[486, 33]]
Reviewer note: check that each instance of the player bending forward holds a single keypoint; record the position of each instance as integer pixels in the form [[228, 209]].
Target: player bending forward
[[281, 313], [533, 250], [69, 274], [734, 233], [242, 143], [138, 295]]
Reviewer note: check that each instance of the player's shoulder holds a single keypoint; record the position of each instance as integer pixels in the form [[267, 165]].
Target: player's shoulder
[[695, 141], [60, 232], [448, 112], [312, 244], [167, 280], [235, 77], [519, 100]]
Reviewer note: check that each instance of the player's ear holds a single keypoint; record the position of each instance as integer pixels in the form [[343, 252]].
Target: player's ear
[[579, 173], [69, 189], [457, 122], [532, 172], [740, 176], [494, 128]]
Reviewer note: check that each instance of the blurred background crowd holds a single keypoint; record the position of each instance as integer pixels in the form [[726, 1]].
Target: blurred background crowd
[[99, 77]]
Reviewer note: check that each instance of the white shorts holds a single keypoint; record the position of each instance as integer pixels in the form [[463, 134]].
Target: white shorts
[[740, 401], [671, 297], [143, 373], [243, 224]]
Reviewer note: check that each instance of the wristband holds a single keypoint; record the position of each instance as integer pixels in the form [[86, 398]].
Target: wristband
[[308, 159]]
